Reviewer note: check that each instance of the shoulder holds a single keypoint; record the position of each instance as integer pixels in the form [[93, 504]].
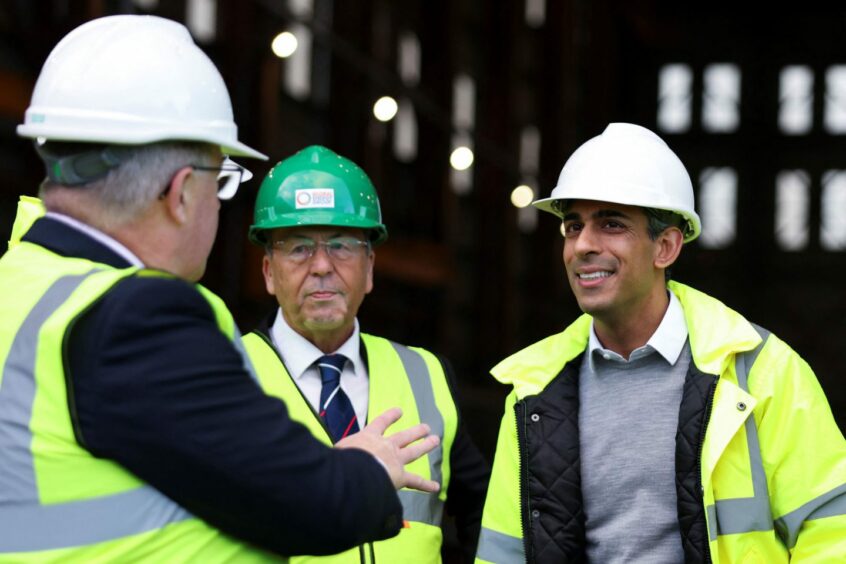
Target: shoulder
[[531, 369], [779, 368], [148, 309], [409, 355], [144, 293], [260, 350]]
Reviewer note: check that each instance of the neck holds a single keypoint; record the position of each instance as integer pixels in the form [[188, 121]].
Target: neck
[[152, 246], [328, 341], [149, 235], [625, 333]]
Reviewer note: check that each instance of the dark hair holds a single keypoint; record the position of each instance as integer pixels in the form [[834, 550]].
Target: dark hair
[[659, 221]]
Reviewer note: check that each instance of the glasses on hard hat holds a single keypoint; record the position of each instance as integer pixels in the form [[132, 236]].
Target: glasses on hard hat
[[230, 175], [300, 249]]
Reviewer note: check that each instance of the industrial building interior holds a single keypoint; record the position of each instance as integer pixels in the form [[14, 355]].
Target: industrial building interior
[[755, 109]]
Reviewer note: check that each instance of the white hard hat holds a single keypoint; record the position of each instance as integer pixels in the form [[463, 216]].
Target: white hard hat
[[627, 164], [132, 80]]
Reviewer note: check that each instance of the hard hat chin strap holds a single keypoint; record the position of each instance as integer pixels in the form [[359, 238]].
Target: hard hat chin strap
[[82, 167]]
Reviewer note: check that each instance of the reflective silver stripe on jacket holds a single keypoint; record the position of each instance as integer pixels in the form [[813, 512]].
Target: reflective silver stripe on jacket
[[419, 506], [827, 505], [500, 548], [26, 524], [754, 514], [743, 515], [79, 523]]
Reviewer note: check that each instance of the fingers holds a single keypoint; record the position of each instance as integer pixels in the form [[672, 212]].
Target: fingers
[[414, 451], [381, 423], [405, 446], [416, 482], [406, 436]]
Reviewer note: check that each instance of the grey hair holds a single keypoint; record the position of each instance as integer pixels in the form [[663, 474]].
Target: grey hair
[[143, 174]]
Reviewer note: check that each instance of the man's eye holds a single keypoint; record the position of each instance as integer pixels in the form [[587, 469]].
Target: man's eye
[[300, 249], [571, 228]]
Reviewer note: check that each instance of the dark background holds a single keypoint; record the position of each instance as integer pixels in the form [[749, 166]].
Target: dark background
[[458, 275]]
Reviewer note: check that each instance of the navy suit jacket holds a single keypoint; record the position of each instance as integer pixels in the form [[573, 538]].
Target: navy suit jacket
[[155, 386]]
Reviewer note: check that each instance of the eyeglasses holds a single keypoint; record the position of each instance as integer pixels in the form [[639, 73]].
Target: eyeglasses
[[230, 175], [337, 248]]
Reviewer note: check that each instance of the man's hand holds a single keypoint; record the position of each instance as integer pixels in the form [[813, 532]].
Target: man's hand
[[397, 450]]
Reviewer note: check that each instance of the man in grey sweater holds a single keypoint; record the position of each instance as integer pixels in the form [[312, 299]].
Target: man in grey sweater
[[661, 426]]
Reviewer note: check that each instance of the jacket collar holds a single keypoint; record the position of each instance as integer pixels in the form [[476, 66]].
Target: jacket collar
[[265, 325], [66, 241], [716, 333]]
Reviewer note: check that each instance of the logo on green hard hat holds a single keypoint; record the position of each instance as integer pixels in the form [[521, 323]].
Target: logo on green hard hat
[[318, 187], [315, 198]]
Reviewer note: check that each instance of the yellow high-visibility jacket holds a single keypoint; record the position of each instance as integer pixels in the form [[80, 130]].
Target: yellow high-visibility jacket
[[412, 379], [29, 209], [59, 502], [767, 480]]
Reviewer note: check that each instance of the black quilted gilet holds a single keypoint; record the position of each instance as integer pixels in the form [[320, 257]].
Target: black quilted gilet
[[552, 512], [554, 519]]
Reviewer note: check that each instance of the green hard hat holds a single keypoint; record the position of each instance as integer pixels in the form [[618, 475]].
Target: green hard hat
[[316, 186]]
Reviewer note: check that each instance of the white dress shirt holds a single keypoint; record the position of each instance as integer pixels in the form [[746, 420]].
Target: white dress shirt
[[668, 340], [299, 356], [97, 235]]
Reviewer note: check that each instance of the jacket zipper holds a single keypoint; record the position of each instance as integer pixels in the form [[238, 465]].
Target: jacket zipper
[[708, 405], [523, 485], [269, 343]]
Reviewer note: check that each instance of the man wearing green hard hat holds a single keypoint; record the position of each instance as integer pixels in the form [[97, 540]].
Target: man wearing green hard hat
[[318, 218]]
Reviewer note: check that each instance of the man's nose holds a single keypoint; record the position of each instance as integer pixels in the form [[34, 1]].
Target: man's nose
[[320, 263], [586, 242]]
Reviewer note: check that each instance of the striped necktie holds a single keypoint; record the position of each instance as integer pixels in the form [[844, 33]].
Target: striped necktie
[[336, 410]]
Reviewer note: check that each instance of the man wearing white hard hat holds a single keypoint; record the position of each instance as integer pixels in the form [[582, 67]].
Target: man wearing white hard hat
[[131, 425], [660, 426]]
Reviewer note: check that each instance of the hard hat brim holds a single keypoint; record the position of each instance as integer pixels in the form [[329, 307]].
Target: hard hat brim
[[85, 129], [378, 231], [692, 218]]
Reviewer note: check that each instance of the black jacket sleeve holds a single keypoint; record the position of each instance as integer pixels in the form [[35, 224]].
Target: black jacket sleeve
[[468, 484], [155, 386]]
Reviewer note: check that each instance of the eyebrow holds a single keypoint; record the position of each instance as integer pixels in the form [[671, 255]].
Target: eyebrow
[[573, 216]]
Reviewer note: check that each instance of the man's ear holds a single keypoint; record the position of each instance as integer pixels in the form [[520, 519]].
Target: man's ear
[[174, 196], [267, 272], [371, 260], [668, 246]]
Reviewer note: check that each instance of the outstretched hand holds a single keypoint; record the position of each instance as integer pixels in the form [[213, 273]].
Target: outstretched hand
[[397, 450]]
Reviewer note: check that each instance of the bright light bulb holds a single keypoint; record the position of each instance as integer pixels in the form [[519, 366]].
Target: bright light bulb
[[385, 108], [461, 158], [284, 44], [522, 196]]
